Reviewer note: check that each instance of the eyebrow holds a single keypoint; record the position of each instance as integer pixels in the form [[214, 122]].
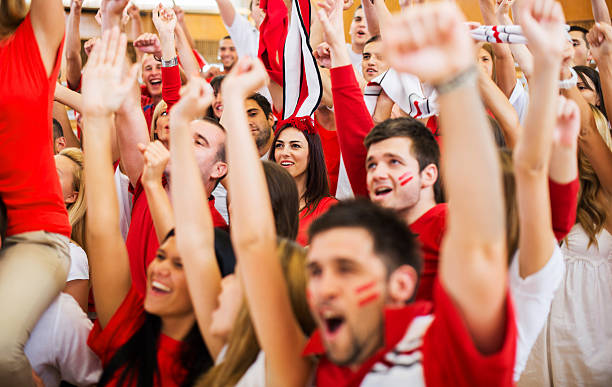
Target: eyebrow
[[252, 110], [199, 136]]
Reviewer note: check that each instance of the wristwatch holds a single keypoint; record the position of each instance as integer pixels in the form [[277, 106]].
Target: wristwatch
[[170, 63]]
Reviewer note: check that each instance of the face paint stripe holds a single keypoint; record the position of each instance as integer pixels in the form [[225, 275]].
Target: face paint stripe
[[406, 181], [365, 287], [368, 299]]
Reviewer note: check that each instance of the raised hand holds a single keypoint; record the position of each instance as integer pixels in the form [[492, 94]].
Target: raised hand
[[196, 97], [212, 72], [600, 40], [133, 11], [430, 41], [180, 14], [322, 55], [89, 45], [115, 7], [503, 10], [156, 158], [76, 5], [246, 77], [543, 26], [149, 44], [105, 85], [347, 4], [567, 126], [330, 14], [409, 3], [164, 19]]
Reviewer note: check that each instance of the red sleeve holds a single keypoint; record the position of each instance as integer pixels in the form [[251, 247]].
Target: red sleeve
[[199, 58], [563, 202], [449, 355], [171, 85], [331, 151], [353, 123], [125, 322]]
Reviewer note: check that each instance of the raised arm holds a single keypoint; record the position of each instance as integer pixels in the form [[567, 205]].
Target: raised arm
[[104, 88], [74, 62], [227, 11], [165, 23], [600, 11], [433, 43], [520, 52], [194, 225], [505, 114], [180, 16], [544, 31], [111, 12], [185, 51], [48, 24], [135, 29], [60, 114], [371, 15], [67, 97], [254, 236]]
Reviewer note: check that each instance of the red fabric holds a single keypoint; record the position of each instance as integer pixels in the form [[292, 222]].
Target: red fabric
[[272, 35], [29, 185], [148, 107], [199, 58], [430, 229], [449, 357], [563, 202], [171, 85], [307, 219], [141, 241], [331, 151], [125, 322], [353, 123]]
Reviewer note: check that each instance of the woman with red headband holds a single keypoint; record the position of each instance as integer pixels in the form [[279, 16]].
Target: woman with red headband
[[297, 148]]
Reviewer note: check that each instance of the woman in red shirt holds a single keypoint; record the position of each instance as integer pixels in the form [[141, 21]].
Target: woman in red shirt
[[298, 149], [34, 259]]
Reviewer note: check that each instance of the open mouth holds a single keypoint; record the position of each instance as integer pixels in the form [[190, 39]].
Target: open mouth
[[361, 34], [158, 287], [333, 325], [156, 82], [286, 163], [372, 71], [382, 191]]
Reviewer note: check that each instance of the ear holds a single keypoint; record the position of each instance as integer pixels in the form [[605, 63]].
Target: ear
[[219, 170], [60, 144], [429, 176], [402, 285], [72, 197], [271, 120]]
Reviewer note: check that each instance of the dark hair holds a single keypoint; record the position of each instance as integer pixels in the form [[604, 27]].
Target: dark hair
[[317, 185], [393, 240], [584, 33], [226, 37], [138, 356], [284, 198], [263, 103], [593, 75], [424, 146], [373, 39], [57, 130], [215, 83]]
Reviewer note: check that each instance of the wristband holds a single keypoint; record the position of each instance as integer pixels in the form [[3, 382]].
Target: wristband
[[569, 83], [466, 76]]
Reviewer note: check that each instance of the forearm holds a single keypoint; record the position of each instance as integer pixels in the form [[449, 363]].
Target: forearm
[[504, 68], [371, 16], [599, 155], [227, 12], [605, 75], [187, 34], [67, 97], [161, 210], [495, 100], [131, 130], [74, 62], [600, 11], [135, 29], [487, 10], [185, 52], [60, 114], [167, 45], [382, 13]]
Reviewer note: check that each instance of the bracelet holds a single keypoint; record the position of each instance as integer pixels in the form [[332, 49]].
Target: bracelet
[[466, 76], [569, 83], [170, 63]]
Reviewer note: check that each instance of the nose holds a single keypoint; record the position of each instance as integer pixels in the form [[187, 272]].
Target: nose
[[326, 288], [379, 172]]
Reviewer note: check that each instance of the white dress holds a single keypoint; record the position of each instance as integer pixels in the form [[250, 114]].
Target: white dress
[[575, 346]]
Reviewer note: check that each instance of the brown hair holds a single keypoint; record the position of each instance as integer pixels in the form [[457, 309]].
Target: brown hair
[[12, 13], [77, 211]]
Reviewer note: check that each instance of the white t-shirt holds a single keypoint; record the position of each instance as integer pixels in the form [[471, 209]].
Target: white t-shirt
[[79, 265], [255, 375], [532, 299], [519, 100], [125, 198], [57, 348], [355, 58], [343, 189]]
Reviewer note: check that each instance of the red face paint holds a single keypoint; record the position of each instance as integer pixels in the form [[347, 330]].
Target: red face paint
[[363, 288], [368, 299], [405, 178]]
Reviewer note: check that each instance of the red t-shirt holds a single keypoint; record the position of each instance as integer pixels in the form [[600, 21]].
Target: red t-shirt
[[306, 219], [29, 185], [141, 241], [429, 230], [424, 348], [122, 326]]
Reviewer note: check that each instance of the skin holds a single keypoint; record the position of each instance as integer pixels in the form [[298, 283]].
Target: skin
[[340, 261], [151, 73], [257, 14], [227, 53], [390, 162], [581, 51], [358, 31], [260, 125], [65, 170], [373, 63], [486, 62], [162, 128], [588, 92], [207, 139], [229, 301], [291, 153], [217, 104]]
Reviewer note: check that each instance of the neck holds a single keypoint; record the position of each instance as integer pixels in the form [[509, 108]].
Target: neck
[[266, 147], [425, 203], [357, 48], [177, 327], [300, 181]]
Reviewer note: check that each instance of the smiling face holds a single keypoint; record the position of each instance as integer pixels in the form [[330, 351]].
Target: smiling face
[[227, 54], [167, 294], [217, 104], [291, 151], [151, 75], [347, 293], [359, 29], [393, 177], [229, 302], [65, 170], [373, 62]]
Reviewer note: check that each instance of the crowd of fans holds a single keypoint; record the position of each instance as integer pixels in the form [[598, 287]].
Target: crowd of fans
[[429, 204]]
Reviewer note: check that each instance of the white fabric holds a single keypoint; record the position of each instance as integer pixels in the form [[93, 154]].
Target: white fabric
[[519, 100], [255, 375], [57, 348], [79, 265], [343, 189], [575, 348], [532, 298], [125, 198], [355, 59]]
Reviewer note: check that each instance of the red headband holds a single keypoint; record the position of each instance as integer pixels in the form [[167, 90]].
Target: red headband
[[304, 124]]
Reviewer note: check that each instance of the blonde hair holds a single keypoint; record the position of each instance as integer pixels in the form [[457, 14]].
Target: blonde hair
[[159, 109], [12, 13], [243, 347], [592, 212], [77, 211]]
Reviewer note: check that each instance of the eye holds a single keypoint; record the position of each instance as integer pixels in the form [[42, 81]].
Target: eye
[[366, 56], [199, 141], [160, 257], [394, 162], [370, 166], [177, 263], [163, 114], [296, 146], [314, 271], [278, 145], [345, 267]]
